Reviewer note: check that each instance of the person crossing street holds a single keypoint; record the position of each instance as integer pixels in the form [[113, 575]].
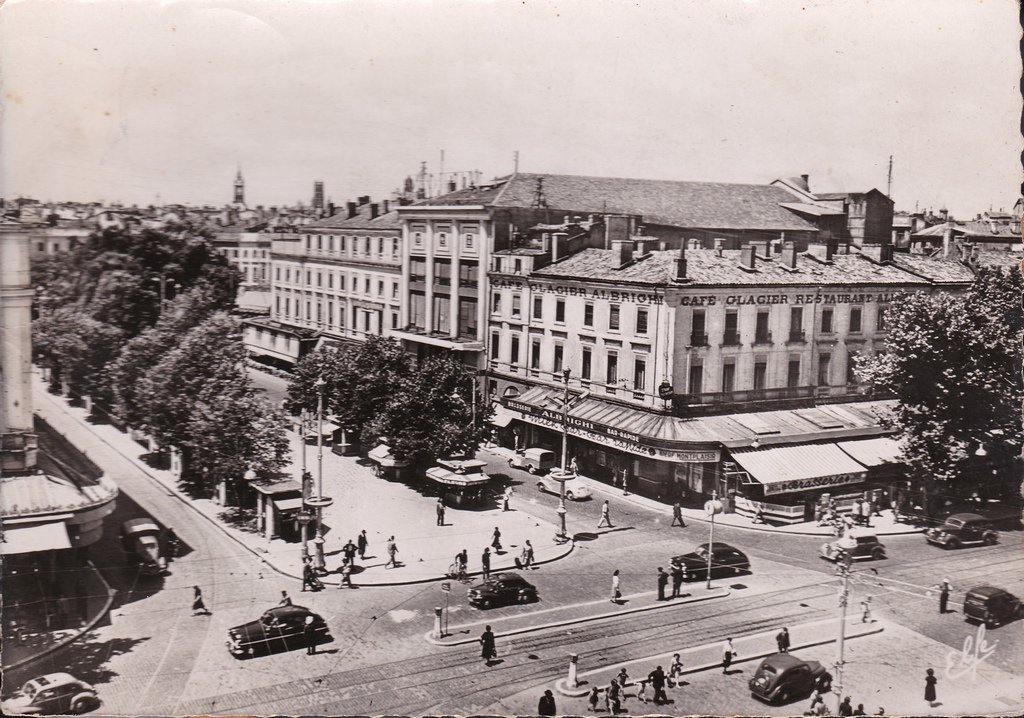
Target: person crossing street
[[606, 519]]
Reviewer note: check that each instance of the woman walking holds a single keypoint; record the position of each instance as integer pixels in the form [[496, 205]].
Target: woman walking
[[496, 540], [487, 649], [929, 687], [616, 587], [198, 606], [727, 655]]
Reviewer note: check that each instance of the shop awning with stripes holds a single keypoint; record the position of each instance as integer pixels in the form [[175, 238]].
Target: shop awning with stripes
[[782, 469], [872, 452]]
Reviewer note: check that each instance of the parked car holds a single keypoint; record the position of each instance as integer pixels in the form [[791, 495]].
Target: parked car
[[725, 560], [575, 489], [502, 588], [992, 606], [52, 694], [278, 629], [868, 547], [140, 539], [960, 529], [536, 461], [781, 677]]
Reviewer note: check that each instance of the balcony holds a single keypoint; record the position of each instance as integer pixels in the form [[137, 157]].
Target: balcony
[[731, 338], [769, 399], [698, 339], [797, 337], [763, 338]]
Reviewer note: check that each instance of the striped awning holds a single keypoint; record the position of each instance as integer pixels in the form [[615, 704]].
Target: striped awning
[[872, 452], [802, 467]]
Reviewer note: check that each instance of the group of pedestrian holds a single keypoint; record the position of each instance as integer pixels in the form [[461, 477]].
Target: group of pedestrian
[[675, 574], [309, 578], [525, 559], [615, 692], [863, 509]]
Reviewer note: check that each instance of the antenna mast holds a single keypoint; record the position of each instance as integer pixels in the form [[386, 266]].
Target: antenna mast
[[888, 191]]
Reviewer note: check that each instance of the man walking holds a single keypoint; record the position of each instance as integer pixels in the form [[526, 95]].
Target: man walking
[[487, 649], [309, 633], [677, 516], [346, 575], [485, 564], [782, 640], [309, 577], [727, 654], [286, 600], [865, 610], [392, 549], [677, 578], [440, 512], [546, 704], [527, 557], [606, 519], [657, 679], [944, 589], [506, 498], [662, 583], [574, 468], [625, 481], [361, 544], [349, 551]]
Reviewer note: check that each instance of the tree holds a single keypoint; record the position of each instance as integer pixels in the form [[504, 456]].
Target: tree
[[954, 366], [431, 413], [77, 348]]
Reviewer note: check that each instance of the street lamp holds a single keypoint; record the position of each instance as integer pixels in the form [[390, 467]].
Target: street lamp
[[320, 501], [712, 507], [846, 545]]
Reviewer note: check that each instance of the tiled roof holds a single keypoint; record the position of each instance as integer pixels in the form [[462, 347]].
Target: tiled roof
[[935, 269], [471, 195], [362, 220], [997, 258], [710, 205], [705, 267], [816, 210]]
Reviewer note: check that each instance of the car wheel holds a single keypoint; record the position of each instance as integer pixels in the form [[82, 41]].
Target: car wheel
[[485, 603], [782, 696], [530, 469], [511, 464], [878, 554], [568, 495], [540, 486], [82, 705], [953, 544], [989, 539]]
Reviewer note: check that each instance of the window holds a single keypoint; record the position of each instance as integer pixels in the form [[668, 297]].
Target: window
[[330, 280], [732, 335], [330, 243], [467, 317], [560, 310], [319, 279], [470, 240], [855, 320], [826, 321], [796, 323], [588, 314], [613, 317], [760, 374], [518, 266], [639, 374], [394, 248], [824, 365], [696, 378], [442, 314], [517, 305], [612, 374], [557, 363], [514, 356], [380, 246], [467, 274], [442, 239], [366, 285], [380, 288], [341, 282], [793, 373], [851, 373], [417, 269], [442, 272], [319, 242], [538, 307], [341, 243], [761, 327], [417, 239], [496, 303], [728, 377], [880, 321], [698, 333], [535, 354], [641, 320], [585, 364], [495, 346], [277, 305], [394, 320]]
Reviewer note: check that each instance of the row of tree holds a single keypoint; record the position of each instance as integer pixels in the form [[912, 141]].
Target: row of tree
[[140, 322], [375, 391]]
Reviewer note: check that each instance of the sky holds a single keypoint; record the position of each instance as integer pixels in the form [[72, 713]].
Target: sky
[[148, 101]]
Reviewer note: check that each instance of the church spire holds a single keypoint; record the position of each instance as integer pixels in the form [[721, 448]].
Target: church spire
[[239, 187]]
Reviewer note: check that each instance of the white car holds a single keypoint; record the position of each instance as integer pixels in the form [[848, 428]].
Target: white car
[[575, 488]]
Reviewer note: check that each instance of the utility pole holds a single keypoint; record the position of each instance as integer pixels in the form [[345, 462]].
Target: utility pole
[[843, 563], [888, 190], [565, 453]]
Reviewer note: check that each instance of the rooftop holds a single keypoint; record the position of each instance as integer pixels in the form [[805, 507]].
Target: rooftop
[[341, 220]]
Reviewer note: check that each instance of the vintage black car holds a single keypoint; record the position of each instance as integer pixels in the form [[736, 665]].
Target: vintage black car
[[867, 547], [279, 629], [781, 677], [52, 694], [959, 530], [992, 606], [726, 560], [502, 588]]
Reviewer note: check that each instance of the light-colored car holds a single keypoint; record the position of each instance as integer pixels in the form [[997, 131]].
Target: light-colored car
[[535, 461], [864, 546], [575, 488], [52, 694]]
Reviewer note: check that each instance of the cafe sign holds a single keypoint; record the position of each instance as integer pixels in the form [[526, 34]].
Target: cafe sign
[[813, 482]]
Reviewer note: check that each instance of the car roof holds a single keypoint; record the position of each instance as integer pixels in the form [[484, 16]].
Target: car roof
[[719, 546], [508, 576], [538, 452], [783, 661], [136, 525], [988, 591], [52, 679], [285, 611], [966, 517]]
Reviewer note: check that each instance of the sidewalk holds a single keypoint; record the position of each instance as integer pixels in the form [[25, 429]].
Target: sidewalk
[[361, 501], [883, 525]]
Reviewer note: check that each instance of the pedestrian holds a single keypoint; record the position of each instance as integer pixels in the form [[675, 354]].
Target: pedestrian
[[574, 468], [517, 439], [614, 697], [616, 586], [309, 633], [859, 710], [361, 544], [349, 551], [866, 510], [865, 610], [677, 578], [440, 511], [662, 583], [677, 515], [856, 511], [198, 606], [625, 481], [675, 671], [816, 701], [309, 577], [346, 575], [606, 519], [845, 708], [173, 543], [496, 540], [782, 640], [392, 549], [593, 697], [657, 679], [286, 600], [461, 562], [505, 498], [546, 704], [944, 589], [727, 654], [759, 515], [485, 563], [528, 554], [487, 649], [622, 678], [641, 691], [929, 687]]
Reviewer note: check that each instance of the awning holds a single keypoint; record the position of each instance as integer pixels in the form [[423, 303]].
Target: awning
[[872, 452], [288, 504], [501, 417], [383, 456], [327, 429], [39, 537], [782, 469]]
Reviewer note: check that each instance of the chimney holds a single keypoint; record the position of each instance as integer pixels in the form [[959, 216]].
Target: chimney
[[365, 199], [591, 218], [386, 207], [351, 206], [881, 253], [576, 219], [719, 246], [623, 251], [566, 220], [616, 228], [641, 248], [760, 248], [662, 245], [807, 181], [452, 186], [557, 245], [776, 246], [374, 210], [789, 255], [748, 256], [681, 266], [821, 250], [330, 209]]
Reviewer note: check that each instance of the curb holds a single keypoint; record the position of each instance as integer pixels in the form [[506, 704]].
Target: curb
[[573, 621], [78, 634], [577, 692]]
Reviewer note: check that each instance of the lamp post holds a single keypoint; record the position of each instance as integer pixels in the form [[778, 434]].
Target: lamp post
[[565, 455], [319, 502], [304, 515], [843, 562], [712, 507]]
